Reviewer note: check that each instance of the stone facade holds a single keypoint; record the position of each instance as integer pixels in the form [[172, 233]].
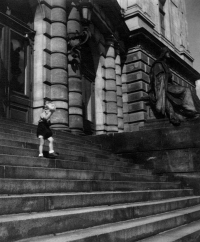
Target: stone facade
[[102, 90]]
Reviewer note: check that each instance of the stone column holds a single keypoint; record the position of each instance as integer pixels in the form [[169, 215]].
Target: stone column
[[110, 88], [74, 76], [100, 92], [50, 80], [119, 90], [125, 99], [59, 89]]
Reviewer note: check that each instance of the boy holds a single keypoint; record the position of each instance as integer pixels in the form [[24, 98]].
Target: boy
[[43, 130]]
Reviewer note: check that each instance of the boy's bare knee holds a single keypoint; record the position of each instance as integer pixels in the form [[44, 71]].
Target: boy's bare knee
[[50, 139], [41, 140]]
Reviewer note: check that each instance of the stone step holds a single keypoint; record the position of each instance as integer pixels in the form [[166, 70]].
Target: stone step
[[23, 151], [61, 147], [31, 138], [8, 132], [10, 127], [34, 144], [13, 160], [29, 154], [186, 233], [26, 203], [58, 142], [72, 156], [24, 172], [30, 186], [123, 231], [31, 128]]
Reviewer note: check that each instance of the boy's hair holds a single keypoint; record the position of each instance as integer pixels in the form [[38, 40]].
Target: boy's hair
[[46, 106], [50, 106]]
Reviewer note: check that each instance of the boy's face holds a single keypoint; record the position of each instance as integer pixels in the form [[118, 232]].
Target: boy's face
[[46, 110]]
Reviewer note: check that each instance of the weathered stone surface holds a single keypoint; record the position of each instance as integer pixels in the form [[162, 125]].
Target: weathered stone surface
[[118, 69], [59, 3], [75, 84], [111, 107], [139, 116], [61, 115], [58, 15], [110, 85], [134, 76], [73, 23], [111, 96], [110, 73], [109, 62], [59, 92], [75, 99], [136, 66], [58, 30], [119, 92], [137, 86], [138, 106], [118, 80], [134, 97], [58, 45], [111, 119], [59, 76], [137, 56], [119, 102], [58, 60]]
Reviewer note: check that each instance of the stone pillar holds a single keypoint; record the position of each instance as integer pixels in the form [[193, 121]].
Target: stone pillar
[[51, 82], [74, 76], [119, 90], [100, 92], [125, 99], [59, 89], [110, 88]]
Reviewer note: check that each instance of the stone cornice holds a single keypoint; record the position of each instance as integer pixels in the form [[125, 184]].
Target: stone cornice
[[153, 45], [140, 14]]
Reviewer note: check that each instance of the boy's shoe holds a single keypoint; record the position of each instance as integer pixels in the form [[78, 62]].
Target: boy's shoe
[[53, 155], [40, 156]]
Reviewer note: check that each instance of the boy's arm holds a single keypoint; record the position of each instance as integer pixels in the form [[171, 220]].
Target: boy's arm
[[45, 116]]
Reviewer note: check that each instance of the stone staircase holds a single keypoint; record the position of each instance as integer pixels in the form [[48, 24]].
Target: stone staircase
[[87, 194]]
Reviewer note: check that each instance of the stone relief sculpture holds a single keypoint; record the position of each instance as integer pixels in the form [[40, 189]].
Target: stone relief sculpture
[[179, 103]]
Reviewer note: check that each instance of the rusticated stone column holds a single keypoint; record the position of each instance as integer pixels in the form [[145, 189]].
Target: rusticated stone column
[[54, 73], [74, 76], [100, 92], [125, 99], [110, 88], [119, 90], [59, 89]]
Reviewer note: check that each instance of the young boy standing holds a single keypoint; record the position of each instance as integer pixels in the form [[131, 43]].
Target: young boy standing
[[43, 130]]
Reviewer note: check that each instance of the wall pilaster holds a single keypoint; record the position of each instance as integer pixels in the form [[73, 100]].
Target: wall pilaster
[[137, 69]]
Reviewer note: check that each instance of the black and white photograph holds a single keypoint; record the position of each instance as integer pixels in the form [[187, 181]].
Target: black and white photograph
[[99, 120]]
